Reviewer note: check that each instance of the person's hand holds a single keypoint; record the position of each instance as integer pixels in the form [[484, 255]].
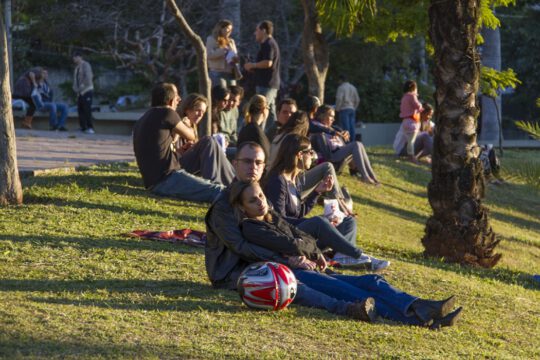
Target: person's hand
[[249, 66], [301, 262], [345, 135], [325, 185], [321, 263]]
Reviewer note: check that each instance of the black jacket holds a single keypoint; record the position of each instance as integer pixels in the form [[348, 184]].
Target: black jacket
[[280, 236], [227, 253]]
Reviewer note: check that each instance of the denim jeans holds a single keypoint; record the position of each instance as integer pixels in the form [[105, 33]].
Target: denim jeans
[[270, 94], [221, 78], [57, 113], [181, 184], [341, 239], [347, 118], [335, 292]]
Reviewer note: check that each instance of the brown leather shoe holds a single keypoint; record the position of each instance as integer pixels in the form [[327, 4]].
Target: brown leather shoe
[[363, 310], [27, 122]]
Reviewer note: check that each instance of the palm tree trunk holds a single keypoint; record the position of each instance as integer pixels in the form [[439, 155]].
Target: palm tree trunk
[[459, 229], [10, 184]]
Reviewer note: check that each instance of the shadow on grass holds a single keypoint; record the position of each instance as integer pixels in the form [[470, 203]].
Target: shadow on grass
[[419, 194], [514, 220], [20, 345], [101, 243], [402, 213], [117, 209], [505, 275]]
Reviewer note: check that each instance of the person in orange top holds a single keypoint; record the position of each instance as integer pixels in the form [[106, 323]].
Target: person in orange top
[[409, 112]]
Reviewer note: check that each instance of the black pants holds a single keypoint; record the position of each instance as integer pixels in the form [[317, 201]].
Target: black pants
[[84, 107]]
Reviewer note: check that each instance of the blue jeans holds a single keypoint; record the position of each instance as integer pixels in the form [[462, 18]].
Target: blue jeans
[[347, 118], [335, 292], [221, 78], [341, 239], [181, 184], [57, 113], [270, 94]]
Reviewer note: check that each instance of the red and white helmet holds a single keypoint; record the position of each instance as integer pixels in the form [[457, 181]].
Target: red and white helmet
[[267, 285]]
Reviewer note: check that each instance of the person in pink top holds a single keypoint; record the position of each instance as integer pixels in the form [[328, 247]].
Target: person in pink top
[[409, 112]]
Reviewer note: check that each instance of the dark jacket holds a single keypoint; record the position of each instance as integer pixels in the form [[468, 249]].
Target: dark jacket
[[227, 253], [253, 132], [277, 192], [280, 236]]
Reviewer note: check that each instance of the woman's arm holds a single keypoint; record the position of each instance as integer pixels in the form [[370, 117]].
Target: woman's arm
[[276, 192]]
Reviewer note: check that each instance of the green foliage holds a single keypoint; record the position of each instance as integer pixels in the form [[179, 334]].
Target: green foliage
[[532, 128], [492, 82], [343, 16]]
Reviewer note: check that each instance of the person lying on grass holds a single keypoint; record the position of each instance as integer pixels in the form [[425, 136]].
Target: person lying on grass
[[336, 293]]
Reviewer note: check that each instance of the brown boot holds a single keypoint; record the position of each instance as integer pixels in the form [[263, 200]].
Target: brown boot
[[27, 122]]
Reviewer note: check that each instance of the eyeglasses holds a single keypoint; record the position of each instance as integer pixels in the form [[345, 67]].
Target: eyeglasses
[[308, 151], [246, 161]]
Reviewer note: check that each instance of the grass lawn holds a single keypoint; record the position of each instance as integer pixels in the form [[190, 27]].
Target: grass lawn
[[71, 286]]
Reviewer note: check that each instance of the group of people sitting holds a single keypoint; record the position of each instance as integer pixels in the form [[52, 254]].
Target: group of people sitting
[[258, 207]]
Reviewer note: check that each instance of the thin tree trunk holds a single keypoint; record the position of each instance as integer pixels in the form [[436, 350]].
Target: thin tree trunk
[[10, 184], [491, 111], [459, 229], [315, 50], [205, 128]]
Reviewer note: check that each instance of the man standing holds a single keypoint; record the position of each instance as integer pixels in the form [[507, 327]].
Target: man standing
[[347, 102], [84, 88], [266, 68], [153, 144]]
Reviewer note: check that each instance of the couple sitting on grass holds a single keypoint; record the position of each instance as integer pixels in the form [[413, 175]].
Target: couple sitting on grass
[[242, 229]]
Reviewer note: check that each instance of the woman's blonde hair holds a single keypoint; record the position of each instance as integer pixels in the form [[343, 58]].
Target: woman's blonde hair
[[255, 106], [216, 32]]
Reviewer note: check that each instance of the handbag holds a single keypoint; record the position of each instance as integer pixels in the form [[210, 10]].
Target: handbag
[[237, 72]]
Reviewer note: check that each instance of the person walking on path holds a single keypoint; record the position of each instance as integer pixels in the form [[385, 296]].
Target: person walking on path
[[266, 68], [409, 112], [347, 101], [83, 86]]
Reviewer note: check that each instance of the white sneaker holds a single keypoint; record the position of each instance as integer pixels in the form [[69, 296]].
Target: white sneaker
[[378, 265], [89, 131], [348, 261]]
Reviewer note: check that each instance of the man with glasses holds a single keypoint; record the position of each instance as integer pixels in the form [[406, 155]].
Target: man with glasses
[[153, 144]]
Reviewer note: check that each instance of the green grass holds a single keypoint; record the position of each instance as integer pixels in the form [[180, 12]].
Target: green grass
[[71, 286]]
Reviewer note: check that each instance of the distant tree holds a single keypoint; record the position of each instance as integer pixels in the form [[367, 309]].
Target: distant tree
[[10, 185], [314, 50], [205, 127]]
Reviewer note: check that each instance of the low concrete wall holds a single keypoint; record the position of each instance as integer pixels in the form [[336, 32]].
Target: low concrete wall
[[115, 123], [378, 133]]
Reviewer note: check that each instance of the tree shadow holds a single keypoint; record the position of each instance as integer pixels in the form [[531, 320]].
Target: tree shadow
[[85, 243], [419, 194], [528, 224], [402, 213], [505, 275]]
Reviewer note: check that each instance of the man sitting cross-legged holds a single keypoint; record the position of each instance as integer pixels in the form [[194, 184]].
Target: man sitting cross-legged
[[153, 144]]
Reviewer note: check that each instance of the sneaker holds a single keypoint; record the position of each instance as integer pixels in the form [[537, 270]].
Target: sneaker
[[89, 131], [62, 128], [364, 310], [346, 261], [378, 265]]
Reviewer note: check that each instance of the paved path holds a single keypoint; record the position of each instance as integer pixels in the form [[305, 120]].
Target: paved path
[[40, 150]]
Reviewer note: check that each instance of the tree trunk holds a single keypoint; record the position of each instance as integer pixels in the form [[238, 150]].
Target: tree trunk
[[315, 50], [459, 229], [491, 111], [232, 10], [205, 128], [10, 184]]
